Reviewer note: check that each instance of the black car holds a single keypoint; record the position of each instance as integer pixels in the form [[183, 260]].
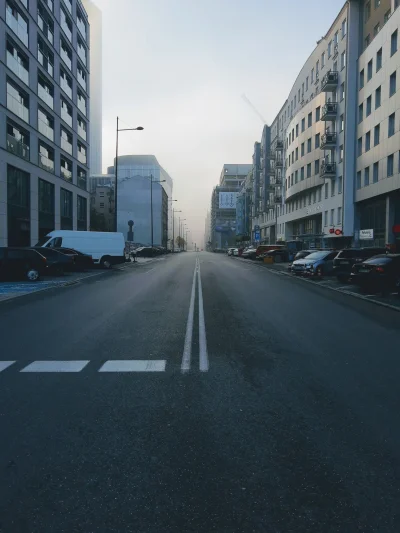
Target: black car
[[57, 262], [381, 273], [21, 263], [345, 259], [81, 261]]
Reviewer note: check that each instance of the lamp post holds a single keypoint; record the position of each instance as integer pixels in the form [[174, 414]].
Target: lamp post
[[139, 128], [173, 228], [171, 200], [151, 205], [179, 226]]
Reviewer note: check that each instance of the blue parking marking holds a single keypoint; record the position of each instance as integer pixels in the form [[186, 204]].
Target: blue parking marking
[[9, 287]]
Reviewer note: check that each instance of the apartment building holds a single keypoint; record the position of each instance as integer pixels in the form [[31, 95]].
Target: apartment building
[[44, 110], [377, 183]]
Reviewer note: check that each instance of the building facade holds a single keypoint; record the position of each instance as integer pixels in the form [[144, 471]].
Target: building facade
[[44, 117], [96, 80], [102, 208], [139, 178]]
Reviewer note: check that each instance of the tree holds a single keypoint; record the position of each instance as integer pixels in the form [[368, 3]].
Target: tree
[[180, 242], [97, 221]]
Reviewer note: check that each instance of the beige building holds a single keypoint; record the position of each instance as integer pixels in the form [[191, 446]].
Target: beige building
[[102, 208]]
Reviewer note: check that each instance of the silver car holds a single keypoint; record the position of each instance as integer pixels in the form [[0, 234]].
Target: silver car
[[316, 264]]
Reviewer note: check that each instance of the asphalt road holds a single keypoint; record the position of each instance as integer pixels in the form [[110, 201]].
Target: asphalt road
[[279, 412]]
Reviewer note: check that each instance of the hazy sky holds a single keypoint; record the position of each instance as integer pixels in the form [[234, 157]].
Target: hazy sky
[[179, 67]]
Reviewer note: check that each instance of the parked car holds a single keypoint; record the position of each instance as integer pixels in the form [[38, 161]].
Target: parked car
[[21, 263], [301, 255], [345, 259], [316, 264], [235, 252], [230, 251], [264, 248], [249, 253], [381, 272], [81, 262], [106, 248], [280, 254], [57, 262]]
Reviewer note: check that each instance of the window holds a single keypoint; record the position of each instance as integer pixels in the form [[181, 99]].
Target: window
[[336, 38], [45, 91], [18, 140], [344, 28], [45, 57], [368, 106], [297, 130], [66, 24], [66, 140], [66, 83], [367, 12], [332, 216], [360, 113], [46, 157], [329, 48], [341, 125], [375, 176], [294, 100], [392, 84], [358, 182], [317, 140], [361, 79], [341, 153], [302, 174], [66, 112], [317, 114], [369, 70], [66, 168], [46, 205], [377, 3], [391, 124], [339, 216], [81, 76], [46, 124], [45, 23], [302, 149], [307, 83], [325, 218], [309, 198], [82, 178], [312, 75], [17, 22], [359, 147], [66, 54], [340, 185], [81, 208], [343, 59], [379, 59], [17, 61], [297, 154], [342, 92], [309, 119], [82, 128], [66, 208], [393, 43], [303, 124], [82, 51], [390, 161], [81, 101], [80, 22], [366, 41], [82, 156], [322, 59], [319, 194], [316, 167], [308, 146], [378, 97], [296, 176], [366, 176], [317, 70], [333, 187], [326, 190], [68, 5], [309, 170], [377, 133], [17, 101]]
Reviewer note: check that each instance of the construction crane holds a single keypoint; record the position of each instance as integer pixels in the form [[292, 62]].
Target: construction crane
[[244, 97]]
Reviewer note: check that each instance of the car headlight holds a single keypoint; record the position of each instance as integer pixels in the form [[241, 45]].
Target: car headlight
[[310, 265]]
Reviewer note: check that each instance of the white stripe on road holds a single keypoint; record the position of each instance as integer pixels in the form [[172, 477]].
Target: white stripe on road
[[187, 350], [133, 366], [55, 366], [203, 360], [5, 364]]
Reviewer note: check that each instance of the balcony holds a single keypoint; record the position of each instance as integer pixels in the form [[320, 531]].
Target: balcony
[[81, 27], [17, 67], [65, 87], [46, 163], [82, 53], [45, 29], [66, 146], [278, 199], [330, 81], [65, 57], [279, 163], [45, 96], [45, 62], [66, 117], [328, 140], [279, 145], [272, 156], [329, 111], [81, 132], [17, 147], [66, 174], [16, 107], [82, 106], [46, 130], [327, 170], [81, 80], [81, 157], [17, 28]]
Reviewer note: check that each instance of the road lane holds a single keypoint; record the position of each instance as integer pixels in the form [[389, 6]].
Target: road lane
[[295, 426]]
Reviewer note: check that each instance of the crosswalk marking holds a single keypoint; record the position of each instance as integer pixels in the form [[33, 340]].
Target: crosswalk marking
[[55, 366], [133, 366], [5, 364]]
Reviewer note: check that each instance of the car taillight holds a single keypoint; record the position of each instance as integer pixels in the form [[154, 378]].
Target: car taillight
[[44, 259], [379, 269]]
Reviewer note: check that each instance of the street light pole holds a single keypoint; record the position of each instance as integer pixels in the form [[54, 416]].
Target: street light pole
[[139, 128], [173, 228]]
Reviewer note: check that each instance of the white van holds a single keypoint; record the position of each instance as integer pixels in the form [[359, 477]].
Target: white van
[[106, 249]]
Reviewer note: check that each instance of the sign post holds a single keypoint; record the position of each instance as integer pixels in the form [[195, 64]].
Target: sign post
[[366, 234]]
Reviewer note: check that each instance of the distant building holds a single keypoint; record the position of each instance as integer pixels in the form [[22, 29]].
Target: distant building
[[243, 210], [96, 82], [137, 175]]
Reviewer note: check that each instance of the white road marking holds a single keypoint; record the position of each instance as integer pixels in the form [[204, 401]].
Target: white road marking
[[129, 365], [187, 350], [55, 366], [150, 270], [203, 357], [5, 364]]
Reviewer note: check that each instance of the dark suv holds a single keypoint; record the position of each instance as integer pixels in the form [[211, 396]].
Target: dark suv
[[21, 263], [345, 259]]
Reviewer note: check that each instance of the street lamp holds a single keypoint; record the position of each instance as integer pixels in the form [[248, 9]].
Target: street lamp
[[139, 128], [173, 228]]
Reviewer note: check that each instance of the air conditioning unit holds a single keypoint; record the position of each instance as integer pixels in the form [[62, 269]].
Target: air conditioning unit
[[329, 168], [331, 77], [330, 108], [330, 138]]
